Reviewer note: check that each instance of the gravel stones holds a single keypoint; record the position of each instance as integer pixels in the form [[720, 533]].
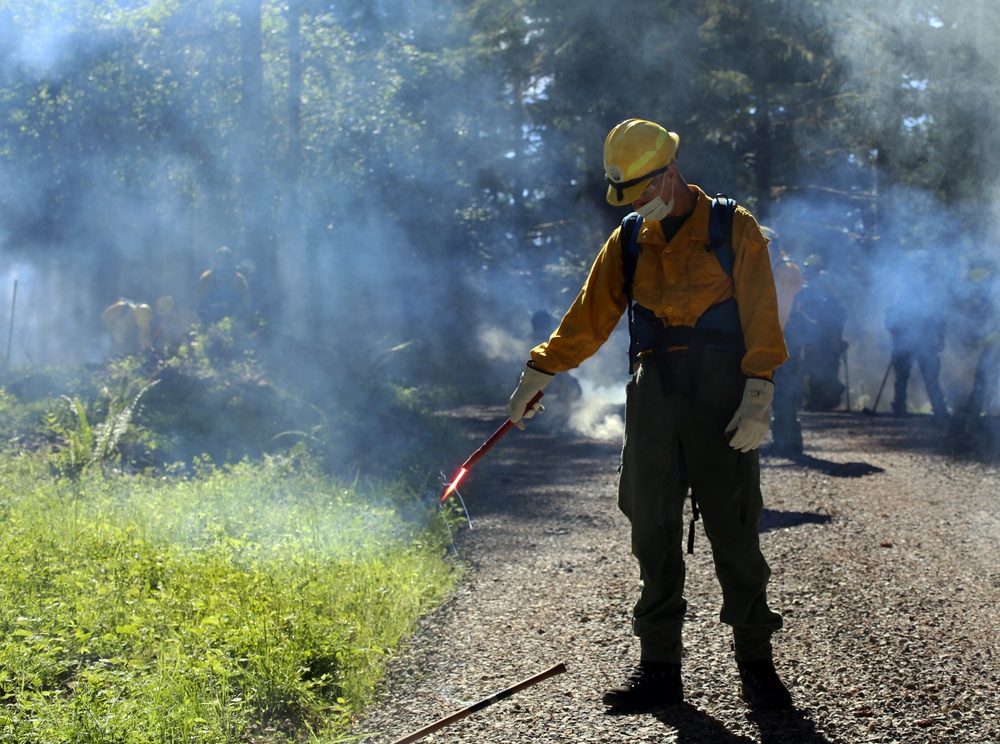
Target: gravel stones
[[885, 557]]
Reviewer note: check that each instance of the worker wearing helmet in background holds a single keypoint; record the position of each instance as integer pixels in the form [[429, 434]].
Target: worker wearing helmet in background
[[129, 324], [788, 277], [918, 336], [825, 347], [986, 324], [788, 282], [222, 290], [696, 411]]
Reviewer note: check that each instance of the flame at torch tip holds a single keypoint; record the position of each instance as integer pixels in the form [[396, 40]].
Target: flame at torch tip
[[454, 484]]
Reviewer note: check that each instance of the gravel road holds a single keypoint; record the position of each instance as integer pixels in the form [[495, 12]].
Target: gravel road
[[885, 557]]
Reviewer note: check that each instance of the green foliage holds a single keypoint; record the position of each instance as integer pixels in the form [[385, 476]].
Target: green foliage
[[475, 129], [78, 437], [142, 600], [82, 445], [222, 399], [241, 601]]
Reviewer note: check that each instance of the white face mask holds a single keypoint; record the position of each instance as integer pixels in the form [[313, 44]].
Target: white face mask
[[656, 210]]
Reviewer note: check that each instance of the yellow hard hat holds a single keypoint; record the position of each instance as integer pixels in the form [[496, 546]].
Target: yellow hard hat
[[117, 316], [634, 152]]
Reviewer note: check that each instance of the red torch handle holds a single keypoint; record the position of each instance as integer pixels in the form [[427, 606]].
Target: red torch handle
[[475, 456], [495, 437]]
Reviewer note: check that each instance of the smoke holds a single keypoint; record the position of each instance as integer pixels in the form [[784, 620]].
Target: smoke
[[130, 204], [79, 231], [932, 253]]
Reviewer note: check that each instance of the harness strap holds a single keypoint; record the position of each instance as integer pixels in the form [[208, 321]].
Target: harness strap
[[630, 256], [673, 336], [720, 242], [696, 340]]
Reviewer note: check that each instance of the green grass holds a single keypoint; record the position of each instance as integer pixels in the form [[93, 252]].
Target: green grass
[[147, 595], [257, 602]]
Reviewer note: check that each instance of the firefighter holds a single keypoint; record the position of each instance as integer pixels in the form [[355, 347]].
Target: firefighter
[[697, 407], [824, 319], [788, 277], [786, 433], [172, 324], [918, 336], [222, 290], [986, 320], [129, 324]]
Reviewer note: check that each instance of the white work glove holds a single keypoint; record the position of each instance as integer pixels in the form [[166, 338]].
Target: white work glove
[[753, 418], [532, 382]]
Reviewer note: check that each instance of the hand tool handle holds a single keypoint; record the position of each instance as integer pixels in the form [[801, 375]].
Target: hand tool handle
[[550, 672], [477, 455]]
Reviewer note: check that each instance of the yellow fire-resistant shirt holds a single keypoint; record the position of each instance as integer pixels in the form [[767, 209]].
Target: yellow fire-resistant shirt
[[678, 280], [788, 282]]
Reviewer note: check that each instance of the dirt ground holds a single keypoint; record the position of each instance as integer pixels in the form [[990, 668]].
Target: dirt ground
[[884, 547]]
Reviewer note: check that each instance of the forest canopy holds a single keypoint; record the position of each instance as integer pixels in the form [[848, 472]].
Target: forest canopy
[[381, 164]]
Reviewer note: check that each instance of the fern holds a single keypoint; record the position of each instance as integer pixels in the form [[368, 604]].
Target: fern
[[79, 439], [112, 431], [86, 445]]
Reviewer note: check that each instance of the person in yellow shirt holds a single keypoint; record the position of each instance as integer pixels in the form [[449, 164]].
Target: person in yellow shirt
[[788, 277], [129, 325], [172, 325], [786, 434], [705, 345]]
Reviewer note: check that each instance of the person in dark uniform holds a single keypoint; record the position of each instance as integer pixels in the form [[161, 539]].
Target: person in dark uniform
[[222, 290], [918, 337]]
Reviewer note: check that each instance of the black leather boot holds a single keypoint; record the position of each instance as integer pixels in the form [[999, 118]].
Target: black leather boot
[[761, 686], [653, 684]]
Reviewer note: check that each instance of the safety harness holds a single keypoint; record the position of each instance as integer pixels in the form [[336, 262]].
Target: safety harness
[[718, 328]]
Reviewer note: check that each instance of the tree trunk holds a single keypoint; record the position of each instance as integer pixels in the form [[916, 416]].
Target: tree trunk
[[257, 231]]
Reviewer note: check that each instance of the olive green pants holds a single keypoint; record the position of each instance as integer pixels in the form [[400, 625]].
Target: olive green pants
[[672, 442]]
